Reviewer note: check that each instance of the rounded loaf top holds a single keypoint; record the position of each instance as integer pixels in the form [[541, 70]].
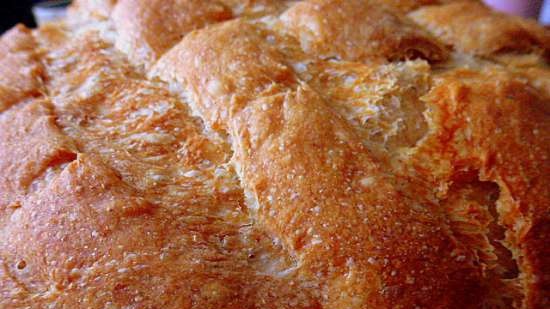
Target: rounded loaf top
[[275, 154]]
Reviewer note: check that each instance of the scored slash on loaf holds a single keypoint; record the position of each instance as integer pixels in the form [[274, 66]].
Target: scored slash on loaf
[[275, 154]]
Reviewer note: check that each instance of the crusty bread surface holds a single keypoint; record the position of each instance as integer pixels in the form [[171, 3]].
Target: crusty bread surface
[[335, 154]]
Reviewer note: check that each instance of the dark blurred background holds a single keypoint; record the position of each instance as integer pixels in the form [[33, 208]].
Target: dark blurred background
[[16, 11]]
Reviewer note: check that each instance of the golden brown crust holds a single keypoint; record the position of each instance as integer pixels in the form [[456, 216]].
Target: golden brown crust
[[95, 231], [247, 169], [254, 69], [473, 28], [382, 102], [31, 143], [358, 30], [283, 137], [148, 29], [151, 160], [469, 106], [21, 72], [406, 6]]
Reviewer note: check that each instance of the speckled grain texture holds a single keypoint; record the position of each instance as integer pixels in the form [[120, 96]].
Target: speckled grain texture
[[275, 154]]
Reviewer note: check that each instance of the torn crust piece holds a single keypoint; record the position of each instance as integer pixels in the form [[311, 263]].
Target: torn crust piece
[[480, 123], [382, 102], [31, 148], [148, 28], [473, 28], [21, 76], [357, 30], [310, 182]]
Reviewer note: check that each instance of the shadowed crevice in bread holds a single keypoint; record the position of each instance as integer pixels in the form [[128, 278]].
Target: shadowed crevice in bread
[[474, 220]]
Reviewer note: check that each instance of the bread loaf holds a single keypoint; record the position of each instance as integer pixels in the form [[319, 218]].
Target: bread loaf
[[275, 154]]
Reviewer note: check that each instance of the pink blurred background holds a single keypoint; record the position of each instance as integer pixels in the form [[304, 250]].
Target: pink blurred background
[[537, 9]]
